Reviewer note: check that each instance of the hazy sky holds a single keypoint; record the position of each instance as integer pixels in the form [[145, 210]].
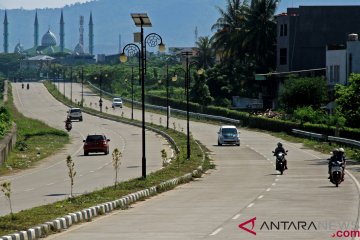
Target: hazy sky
[[31, 4]]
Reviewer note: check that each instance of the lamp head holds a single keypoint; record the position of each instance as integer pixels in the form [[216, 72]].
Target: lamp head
[[162, 47], [123, 58], [174, 78], [200, 71]]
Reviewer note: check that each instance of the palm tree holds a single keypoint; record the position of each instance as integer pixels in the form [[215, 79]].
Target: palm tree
[[230, 28], [205, 55], [261, 32]]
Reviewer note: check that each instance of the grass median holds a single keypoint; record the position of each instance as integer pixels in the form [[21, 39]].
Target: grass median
[[35, 141], [178, 167]]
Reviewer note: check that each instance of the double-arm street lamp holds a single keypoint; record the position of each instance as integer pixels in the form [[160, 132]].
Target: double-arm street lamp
[[142, 20], [188, 66]]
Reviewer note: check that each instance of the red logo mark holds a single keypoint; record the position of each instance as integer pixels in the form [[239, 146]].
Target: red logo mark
[[252, 221]]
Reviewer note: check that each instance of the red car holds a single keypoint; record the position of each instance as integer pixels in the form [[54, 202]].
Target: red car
[[96, 143]]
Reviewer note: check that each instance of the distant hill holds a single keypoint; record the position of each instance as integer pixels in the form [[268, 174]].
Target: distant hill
[[174, 20]]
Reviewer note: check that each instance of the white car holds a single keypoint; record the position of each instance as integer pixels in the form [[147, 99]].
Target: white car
[[117, 102], [75, 113], [228, 135]]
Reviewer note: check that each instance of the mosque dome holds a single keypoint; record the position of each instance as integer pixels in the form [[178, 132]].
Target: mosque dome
[[19, 48], [79, 49], [48, 39]]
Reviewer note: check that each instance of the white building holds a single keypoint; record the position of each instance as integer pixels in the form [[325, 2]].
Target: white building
[[342, 60]]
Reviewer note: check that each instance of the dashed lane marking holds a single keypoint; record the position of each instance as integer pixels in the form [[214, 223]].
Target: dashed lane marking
[[216, 232]]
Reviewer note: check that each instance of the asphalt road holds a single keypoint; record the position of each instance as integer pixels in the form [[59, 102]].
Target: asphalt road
[[49, 182], [301, 204]]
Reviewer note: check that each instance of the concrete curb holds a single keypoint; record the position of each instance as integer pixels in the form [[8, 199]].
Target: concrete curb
[[87, 214]]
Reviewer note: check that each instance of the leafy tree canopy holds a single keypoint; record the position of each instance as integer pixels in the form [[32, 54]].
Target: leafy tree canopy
[[298, 92], [348, 100]]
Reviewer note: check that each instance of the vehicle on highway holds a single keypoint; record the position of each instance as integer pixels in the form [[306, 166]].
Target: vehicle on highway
[[74, 114], [336, 172], [280, 161], [96, 143], [117, 102], [228, 134], [68, 124]]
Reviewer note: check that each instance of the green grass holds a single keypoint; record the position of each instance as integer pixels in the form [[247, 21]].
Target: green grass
[[179, 166], [35, 141]]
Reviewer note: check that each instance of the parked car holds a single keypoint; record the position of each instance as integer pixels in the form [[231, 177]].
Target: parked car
[[117, 102], [228, 135], [96, 143], [75, 113]]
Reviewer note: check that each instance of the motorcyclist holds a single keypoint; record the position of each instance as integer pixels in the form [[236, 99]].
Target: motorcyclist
[[68, 123], [343, 159], [337, 156], [281, 149]]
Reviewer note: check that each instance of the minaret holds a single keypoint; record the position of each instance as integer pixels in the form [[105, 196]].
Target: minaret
[[6, 34], [62, 33], [36, 31], [81, 31], [91, 35]]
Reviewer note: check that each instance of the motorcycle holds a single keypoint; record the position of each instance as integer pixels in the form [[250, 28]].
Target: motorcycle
[[336, 172], [22, 86], [280, 162], [27, 86], [68, 125]]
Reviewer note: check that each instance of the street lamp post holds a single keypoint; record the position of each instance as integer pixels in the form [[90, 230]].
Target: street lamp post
[[58, 79], [71, 76], [142, 20], [132, 92], [167, 97], [64, 77], [82, 87], [187, 87]]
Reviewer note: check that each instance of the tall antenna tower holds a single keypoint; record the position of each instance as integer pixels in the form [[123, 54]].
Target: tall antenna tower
[[196, 34]]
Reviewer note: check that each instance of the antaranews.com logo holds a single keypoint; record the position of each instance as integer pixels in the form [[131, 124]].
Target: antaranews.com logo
[[336, 227]]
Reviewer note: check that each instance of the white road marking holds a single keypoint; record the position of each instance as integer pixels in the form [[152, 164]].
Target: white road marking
[[236, 216], [216, 232], [27, 190], [273, 184], [276, 180], [261, 196], [92, 171], [250, 205], [268, 189], [49, 184]]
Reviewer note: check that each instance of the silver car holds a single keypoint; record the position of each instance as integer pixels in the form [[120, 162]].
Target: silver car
[[74, 113], [228, 135], [117, 102]]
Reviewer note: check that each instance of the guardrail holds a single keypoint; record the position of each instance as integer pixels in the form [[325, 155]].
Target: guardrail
[[344, 140], [310, 134], [178, 111], [318, 136]]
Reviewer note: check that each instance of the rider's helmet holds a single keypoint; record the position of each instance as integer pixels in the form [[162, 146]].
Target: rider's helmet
[[341, 150], [335, 151], [279, 144]]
